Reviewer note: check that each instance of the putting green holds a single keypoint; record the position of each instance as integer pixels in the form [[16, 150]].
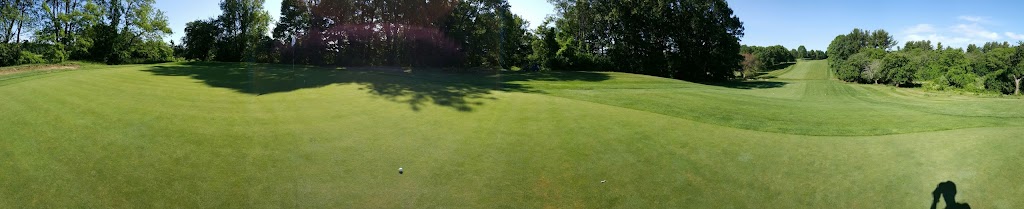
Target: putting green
[[272, 136]]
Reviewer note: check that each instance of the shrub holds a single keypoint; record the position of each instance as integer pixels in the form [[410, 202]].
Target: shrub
[[55, 53], [26, 57], [9, 54]]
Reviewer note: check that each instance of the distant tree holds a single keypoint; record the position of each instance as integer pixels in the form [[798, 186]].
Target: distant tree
[[1016, 67], [57, 23], [873, 71], [989, 46], [851, 68], [294, 23], [971, 48], [517, 42], [654, 38], [998, 59], [16, 17], [897, 70], [243, 25], [179, 49], [295, 20], [200, 39], [769, 57], [844, 46], [127, 31], [994, 65], [801, 52], [961, 77], [880, 39], [918, 45], [816, 55], [751, 65], [545, 47]]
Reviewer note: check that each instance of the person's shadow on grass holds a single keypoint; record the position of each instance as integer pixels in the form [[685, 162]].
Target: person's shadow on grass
[[948, 192]]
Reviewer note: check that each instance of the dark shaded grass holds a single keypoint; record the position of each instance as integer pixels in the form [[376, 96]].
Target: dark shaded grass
[[415, 87]]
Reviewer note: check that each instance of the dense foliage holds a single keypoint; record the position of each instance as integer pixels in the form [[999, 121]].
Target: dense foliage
[[697, 40], [110, 31], [867, 57], [238, 34], [475, 33], [684, 39], [758, 58]]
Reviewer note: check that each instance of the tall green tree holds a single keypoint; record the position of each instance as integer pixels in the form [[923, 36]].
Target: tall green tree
[[16, 16], [243, 24], [545, 46], [200, 39], [661, 38], [801, 52], [846, 45], [517, 41], [1016, 67], [295, 20], [880, 39], [897, 70], [126, 31]]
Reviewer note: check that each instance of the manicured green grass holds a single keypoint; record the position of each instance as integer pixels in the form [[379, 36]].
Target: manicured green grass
[[277, 136]]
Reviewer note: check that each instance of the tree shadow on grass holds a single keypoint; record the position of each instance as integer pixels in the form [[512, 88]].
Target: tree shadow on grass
[[416, 87], [749, 84]]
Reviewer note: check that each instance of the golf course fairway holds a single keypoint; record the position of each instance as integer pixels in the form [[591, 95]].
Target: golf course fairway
[[219, 135]]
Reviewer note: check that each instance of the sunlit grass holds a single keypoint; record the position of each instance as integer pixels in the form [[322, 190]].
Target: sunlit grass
[[268, 136]]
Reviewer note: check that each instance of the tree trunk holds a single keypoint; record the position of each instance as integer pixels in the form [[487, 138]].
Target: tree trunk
[[21, 22], [7, 32], [1016, 85]]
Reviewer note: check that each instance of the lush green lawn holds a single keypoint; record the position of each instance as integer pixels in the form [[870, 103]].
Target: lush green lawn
[[266, 136]]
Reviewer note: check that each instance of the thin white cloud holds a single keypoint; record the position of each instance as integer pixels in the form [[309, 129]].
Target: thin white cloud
[[968, 30], [1014, 36], [920, 28], [936, 38], [975, 31], [972, 18]]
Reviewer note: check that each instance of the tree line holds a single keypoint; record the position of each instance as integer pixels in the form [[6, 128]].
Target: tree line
[[440, 33], [685, 39], [868, 57], [108, 31]]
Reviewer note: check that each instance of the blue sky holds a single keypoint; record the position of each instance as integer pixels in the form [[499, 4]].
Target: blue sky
[[815, 23], [791, 23]]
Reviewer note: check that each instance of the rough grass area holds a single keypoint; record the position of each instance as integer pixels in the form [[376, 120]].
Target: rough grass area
[[274, 136], [36, 68]]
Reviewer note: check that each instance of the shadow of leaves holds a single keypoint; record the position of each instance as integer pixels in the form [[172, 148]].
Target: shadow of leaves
[[415, 87]]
